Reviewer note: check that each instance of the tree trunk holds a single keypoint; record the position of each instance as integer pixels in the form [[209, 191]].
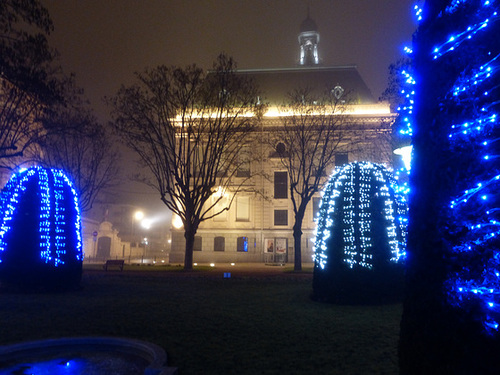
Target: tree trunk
[[297, 238], [189, 235]]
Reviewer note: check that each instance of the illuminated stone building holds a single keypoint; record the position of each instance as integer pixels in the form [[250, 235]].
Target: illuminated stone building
[[258, 226]]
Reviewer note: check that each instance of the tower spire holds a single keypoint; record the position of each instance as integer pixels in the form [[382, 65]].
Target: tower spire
[[308, 41]]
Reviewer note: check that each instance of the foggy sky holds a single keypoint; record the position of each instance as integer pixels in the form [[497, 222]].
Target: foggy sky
[[105, 41]]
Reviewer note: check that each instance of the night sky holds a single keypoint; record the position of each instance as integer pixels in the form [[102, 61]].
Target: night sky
[[105, 41]]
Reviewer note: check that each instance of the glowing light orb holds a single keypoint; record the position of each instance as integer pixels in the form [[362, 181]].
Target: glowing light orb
[[177, 221], [405, 153]]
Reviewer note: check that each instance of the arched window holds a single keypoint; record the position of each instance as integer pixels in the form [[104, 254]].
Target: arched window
[[219, 243], [242, 244]]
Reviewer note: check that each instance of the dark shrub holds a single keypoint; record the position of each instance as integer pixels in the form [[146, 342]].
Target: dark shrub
[[40, 231], [361, 237]]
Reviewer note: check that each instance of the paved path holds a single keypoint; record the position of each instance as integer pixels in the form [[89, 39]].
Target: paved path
[[240, 270]]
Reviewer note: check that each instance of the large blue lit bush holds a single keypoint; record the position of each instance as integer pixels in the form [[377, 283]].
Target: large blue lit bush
[[40, 231], [451, 314], [361, 236]]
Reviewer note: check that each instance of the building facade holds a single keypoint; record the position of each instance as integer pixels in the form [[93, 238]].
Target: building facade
[[258, 225]]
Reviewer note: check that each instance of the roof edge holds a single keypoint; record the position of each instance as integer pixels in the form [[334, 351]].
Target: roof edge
[[297, 69]]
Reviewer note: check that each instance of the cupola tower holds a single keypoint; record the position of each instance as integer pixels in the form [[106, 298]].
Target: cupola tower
[[308, 41]]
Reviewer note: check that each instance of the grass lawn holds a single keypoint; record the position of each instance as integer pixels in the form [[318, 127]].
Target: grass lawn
[[211, 325]]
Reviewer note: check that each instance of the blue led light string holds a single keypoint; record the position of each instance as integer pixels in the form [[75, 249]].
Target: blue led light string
[[352, 190], [10, 199], [474, 127], [418, 12], [405, 130], [406, 109], [486, 14], [45, 215], [349, 218], [457, 40], [52, 227], [365, 222], [457, 4], [389, 214], [476, 77], [327, 208], [59, 218], [78, 217], [475, 207], [400, 181]]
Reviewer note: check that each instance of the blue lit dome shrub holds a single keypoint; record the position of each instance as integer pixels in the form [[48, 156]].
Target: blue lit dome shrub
[[40, 231], [361, 237]]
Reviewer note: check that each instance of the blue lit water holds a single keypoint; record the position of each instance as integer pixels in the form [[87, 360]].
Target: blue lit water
[[85, 363]]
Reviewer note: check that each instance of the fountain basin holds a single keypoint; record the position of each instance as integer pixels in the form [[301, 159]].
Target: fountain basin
[[85, 355]]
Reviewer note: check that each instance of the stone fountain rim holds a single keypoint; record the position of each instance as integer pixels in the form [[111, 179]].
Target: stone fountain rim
[[153, 353]]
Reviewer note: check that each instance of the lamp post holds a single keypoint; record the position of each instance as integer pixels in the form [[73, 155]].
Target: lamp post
[[145, 224], [137, 216]]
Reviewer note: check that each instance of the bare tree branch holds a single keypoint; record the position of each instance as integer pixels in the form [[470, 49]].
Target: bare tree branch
[[77, 143], [188, 127], [312, 131]]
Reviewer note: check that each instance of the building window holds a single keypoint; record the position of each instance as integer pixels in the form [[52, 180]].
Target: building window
[[197, 243], [341, 158], [243, 169], [280, 185], [280, 217], [242, 244], [316, 205], [279, 151], [242, 208], [219, 243]]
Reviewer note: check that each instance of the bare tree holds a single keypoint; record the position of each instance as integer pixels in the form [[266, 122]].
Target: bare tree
[[77, 143], [313, 131], [20, 127], [28, 79], [187, 128], [25, 57], [398, 95]]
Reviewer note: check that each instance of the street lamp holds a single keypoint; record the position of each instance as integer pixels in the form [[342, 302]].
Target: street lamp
[[146, 223], [138, 215]]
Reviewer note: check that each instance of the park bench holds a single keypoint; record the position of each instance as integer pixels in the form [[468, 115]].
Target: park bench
[[114, 263]]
